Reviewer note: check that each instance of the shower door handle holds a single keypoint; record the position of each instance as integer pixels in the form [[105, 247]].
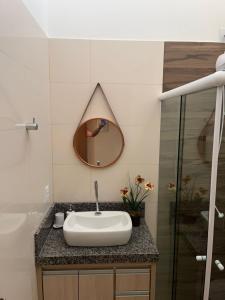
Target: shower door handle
[[200, 258], [219, 265]]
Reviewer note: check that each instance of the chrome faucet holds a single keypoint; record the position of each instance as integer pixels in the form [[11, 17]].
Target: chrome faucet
[[96, 198]]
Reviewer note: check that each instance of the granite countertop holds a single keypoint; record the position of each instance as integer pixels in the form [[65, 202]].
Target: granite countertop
[[51, 248]]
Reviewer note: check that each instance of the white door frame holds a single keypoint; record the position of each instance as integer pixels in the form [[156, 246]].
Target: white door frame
[[219, 114]]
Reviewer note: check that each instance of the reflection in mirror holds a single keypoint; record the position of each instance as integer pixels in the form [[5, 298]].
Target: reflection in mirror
[[98, 142]]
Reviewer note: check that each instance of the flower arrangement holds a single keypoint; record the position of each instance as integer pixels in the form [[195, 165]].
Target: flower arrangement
[[191, 199], [136, 193], [188, 190]]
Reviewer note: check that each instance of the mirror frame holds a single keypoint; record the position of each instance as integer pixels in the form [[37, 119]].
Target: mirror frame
[[90, 165]]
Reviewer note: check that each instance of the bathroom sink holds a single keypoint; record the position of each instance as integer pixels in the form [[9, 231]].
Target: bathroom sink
[[110, 228]]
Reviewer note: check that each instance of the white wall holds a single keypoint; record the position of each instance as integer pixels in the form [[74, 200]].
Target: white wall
[[25, 158], [131, 75], [39, 10], [179, 20]]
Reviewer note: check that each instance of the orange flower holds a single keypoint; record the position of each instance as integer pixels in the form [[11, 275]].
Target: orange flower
[[124, 192], [139, 179], [149, 186]]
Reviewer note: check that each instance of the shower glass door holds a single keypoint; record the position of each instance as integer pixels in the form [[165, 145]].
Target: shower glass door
[[193, 187], [169, 141], [217, 285], [187, 131]]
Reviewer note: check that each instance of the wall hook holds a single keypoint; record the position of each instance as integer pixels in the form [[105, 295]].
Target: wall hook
[[28, 126]]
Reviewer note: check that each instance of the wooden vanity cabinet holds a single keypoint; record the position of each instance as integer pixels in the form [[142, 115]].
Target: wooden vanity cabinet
[[96, 285], [128, 280], [115, 283], [140, 297], [133, 284], [60, 285]]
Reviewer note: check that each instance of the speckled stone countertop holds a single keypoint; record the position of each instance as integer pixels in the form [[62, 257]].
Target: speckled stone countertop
[[51, 248]]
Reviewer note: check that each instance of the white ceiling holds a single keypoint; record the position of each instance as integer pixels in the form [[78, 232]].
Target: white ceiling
[[180, 20]]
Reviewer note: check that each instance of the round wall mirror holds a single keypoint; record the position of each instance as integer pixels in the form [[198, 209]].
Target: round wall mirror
[[98, 142]]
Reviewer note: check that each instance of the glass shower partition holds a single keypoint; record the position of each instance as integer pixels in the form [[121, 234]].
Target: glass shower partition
[[217, 283], [193, 194], [186, 207], [170, 122]]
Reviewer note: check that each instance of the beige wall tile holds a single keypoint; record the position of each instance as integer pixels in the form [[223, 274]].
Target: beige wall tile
[[40, 159], [131, 76], [110, 181], [69, 60], [141, 144], [62, 141], [71, 183], [134, 105], [25, 158], [14, 183], [68, 101], [127, 62], [23, 52], [24, 95]]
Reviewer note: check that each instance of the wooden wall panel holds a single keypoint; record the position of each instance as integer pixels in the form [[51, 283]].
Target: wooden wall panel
[[188, 61]]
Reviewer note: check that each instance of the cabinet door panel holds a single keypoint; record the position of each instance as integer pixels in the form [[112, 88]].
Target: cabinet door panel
[[141, 297], [60, 287], [96, 287], [132, 281]]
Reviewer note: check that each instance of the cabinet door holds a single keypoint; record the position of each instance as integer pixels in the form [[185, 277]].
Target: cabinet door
[[94, 285], [141, 297], [132, 280], [60, 286]]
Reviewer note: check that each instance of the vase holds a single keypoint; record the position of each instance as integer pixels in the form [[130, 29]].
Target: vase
[[135, 220], [135, 215]]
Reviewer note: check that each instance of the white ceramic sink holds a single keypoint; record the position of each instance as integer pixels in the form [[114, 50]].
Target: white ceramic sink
[[111, 228]]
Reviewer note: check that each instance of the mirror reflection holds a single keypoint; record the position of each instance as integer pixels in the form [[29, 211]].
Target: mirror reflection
[[98, 142]]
